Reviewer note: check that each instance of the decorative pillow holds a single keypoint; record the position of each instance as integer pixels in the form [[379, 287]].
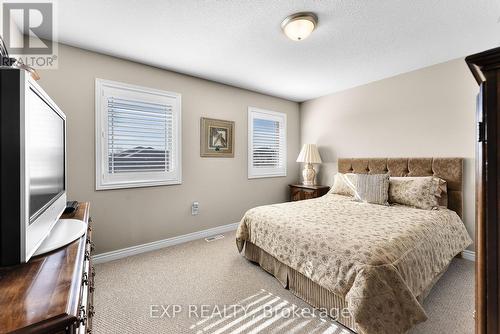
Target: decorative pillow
[[442, 193], [344, 184], [372, 188], [427, 192]]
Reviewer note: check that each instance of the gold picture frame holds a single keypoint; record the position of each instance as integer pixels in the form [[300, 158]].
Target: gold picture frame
[[216, 138]]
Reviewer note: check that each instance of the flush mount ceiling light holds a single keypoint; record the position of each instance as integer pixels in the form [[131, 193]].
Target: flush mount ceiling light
[[299, 26]]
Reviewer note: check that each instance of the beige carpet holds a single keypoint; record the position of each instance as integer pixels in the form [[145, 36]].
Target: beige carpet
[[201, 287]]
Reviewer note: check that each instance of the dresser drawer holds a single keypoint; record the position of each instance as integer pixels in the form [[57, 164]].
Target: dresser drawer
[[86, 307]]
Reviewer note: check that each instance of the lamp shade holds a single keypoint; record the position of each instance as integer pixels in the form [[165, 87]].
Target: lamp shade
[[309, 154]]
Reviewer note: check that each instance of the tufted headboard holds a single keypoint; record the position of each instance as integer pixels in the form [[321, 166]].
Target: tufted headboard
[[449, 169]]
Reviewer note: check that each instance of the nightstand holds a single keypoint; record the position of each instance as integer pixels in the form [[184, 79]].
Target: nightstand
[[299, 192]]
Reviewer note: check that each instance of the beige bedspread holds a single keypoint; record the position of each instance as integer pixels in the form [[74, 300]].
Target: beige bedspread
[[379, 258]]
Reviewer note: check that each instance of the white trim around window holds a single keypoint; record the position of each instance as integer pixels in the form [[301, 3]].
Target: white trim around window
[[137, 136], [266, 143]]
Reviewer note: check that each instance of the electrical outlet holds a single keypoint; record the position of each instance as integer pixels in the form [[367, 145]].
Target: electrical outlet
[[195, 209]]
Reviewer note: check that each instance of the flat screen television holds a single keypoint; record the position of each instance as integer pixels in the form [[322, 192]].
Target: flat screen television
[[33, 165]]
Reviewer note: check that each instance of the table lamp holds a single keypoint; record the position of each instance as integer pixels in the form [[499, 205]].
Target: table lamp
[[310, 155]]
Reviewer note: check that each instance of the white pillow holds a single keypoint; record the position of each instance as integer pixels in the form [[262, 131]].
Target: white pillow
[[344, 184]]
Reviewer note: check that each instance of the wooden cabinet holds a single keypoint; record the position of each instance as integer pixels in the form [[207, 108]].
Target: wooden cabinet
[[52, 293], [300, 192], [485, 67]]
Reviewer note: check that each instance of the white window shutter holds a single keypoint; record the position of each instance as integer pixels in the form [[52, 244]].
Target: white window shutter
[[267, 143], [139, 143], [139, 136]]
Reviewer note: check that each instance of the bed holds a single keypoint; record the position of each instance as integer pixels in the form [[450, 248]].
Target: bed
[[377, 262]]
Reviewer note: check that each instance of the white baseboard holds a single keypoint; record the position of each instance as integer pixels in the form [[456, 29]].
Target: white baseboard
[[151, 246], [469, 255]]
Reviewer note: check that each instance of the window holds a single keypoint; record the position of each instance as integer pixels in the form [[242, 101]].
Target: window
[[266, 143], [138, 141]]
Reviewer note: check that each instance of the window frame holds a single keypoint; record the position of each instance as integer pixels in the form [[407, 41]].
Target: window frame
[[103, 179], [257, 173]]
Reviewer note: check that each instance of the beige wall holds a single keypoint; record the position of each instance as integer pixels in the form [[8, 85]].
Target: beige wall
[[134, 216], [429, 112], [424, 113]]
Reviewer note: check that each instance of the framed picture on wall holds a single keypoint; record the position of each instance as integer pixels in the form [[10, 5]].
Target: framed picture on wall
[[216, 138]]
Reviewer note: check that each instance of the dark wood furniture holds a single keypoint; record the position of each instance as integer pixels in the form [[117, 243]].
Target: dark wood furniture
[[52, 293], [300, 192], [485, 67]]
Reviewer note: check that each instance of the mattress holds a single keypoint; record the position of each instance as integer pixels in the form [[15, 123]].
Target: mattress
[[376, 259]]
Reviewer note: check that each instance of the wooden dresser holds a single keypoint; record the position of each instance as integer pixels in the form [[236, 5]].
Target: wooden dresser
[[300, 192], [52, 293]]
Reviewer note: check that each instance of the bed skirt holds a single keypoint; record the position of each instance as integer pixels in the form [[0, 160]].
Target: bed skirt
[[309, 291], [301, 286]]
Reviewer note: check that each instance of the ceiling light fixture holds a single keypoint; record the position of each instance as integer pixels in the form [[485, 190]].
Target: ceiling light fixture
[[299, 26]]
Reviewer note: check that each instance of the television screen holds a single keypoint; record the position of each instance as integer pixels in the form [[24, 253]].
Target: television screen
[[46, 155]]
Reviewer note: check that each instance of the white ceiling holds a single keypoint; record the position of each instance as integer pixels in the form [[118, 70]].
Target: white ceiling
[[240, 42]]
